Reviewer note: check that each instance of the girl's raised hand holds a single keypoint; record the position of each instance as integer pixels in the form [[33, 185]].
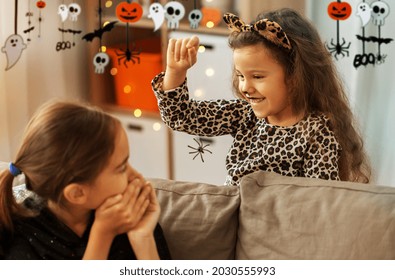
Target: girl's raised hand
[[182, 53]]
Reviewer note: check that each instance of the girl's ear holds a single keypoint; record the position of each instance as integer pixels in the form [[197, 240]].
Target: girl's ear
[[75, 193]]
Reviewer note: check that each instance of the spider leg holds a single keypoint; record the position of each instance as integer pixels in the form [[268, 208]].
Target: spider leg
[[197, 153], [201, 156], [192, 148], [207, 151]]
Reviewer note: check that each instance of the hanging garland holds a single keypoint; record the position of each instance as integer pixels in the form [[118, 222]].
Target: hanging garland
[[128, 12], [339, 11], [14, 45], [377, 13], [71, 12]]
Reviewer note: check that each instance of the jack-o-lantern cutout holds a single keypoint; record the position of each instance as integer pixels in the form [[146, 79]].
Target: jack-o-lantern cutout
[[211, 16], [339, 10], [129, 12], [41, 4]]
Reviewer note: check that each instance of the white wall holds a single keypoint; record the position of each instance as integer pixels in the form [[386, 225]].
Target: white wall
[[371, 88], [41, 74]]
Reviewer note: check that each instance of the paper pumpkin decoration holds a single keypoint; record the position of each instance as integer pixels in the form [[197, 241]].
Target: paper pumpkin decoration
[[129, 12], [339, 10], [41, 4]]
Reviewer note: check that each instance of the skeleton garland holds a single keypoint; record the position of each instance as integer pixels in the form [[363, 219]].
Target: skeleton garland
[[377, 12]]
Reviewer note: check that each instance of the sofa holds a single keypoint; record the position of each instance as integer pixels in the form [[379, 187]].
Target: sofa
[[278, 218], [273, 217]]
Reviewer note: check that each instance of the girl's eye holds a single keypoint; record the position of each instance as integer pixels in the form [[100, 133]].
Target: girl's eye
[[258, 77], [123, 168]]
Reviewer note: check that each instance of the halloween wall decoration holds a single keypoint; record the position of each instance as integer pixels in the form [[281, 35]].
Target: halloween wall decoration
[[71, 12], [195, 16], [14, 44], [157, 14], [101, 59], [376, 13], [40, 5], [128, 12], [30, 28], [201, 148], [174, 12], [339, 11]]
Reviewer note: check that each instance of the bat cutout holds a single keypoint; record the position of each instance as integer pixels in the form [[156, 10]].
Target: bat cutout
[[99, 32], [69, 31]]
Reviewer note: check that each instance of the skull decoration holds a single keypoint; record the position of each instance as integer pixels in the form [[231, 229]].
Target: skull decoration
[[380, 11], [195, 17], [100, 61], [174, 12], [74, 11]]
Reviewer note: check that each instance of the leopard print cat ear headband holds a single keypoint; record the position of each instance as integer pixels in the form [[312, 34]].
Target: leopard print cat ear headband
[[270, 30]]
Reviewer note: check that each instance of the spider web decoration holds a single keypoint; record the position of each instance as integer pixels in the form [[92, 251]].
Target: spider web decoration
[[339, 11], [376, 13], [128, 12]]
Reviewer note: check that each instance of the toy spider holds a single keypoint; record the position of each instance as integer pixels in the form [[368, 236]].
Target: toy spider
[[128, 55], [339, 48], [200, 149]]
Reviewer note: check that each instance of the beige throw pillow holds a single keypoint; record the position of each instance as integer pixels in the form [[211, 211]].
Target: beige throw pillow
[[199, 220], [300, 218]]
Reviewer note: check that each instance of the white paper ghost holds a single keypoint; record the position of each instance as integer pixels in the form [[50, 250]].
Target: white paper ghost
[[63, 12], [157, 14], [175, 11], [13, 48], [364, 12]]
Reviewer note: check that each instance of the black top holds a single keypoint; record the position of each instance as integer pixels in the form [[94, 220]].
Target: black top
[[44, 237]]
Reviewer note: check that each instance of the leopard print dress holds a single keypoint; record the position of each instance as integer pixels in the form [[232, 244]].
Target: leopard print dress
[[306, 149]]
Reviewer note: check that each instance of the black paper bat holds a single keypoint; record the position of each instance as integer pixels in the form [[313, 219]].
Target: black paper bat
[[99, 32]]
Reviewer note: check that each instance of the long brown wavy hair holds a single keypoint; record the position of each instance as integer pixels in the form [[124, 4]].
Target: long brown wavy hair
[[63, 143], [313, 83]]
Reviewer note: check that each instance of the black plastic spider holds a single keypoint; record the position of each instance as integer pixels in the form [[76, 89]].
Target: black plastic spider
[[128, 55], [200, 149], [339, 48]]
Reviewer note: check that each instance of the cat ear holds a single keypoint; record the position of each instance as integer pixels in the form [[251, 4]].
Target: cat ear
[[233, 22]]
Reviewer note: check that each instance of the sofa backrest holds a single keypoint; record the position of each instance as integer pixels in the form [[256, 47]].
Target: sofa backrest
[[278, 217], [199, 220]]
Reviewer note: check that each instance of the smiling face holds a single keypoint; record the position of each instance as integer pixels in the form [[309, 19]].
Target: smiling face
[[261, 81], [129, 12], [115, 176]]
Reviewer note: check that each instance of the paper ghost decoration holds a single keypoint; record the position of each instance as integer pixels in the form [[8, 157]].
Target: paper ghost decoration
[[13, 48], [63, 12], [364, 12], [157, 14]]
